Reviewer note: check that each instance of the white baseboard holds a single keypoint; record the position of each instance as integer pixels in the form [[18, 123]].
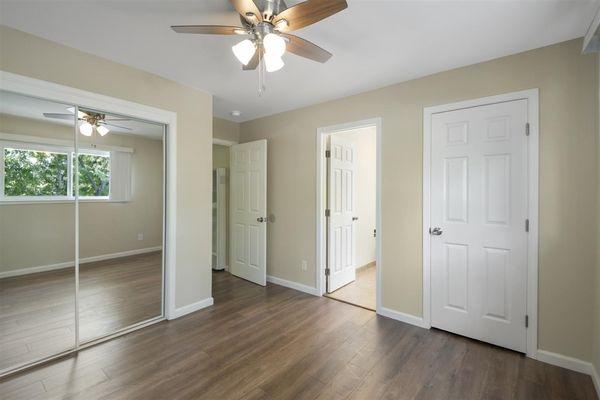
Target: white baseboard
[[190, 308], [293, 285], [574, 364], [70, 264], [403, 317]]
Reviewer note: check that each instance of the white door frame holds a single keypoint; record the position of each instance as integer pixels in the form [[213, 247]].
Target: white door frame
[[69, 95], [532, 97], [322, 134]]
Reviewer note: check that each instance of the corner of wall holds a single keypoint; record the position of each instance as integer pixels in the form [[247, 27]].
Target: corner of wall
[[226, 130]]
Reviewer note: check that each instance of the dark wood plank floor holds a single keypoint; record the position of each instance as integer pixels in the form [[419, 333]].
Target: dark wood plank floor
[[37, 310], [277, 343]]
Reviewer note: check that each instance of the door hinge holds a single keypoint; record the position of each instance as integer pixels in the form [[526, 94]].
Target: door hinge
[[327, 212], [527, 129], [327, 153], [527, 225], [527, 321], [327, 271]]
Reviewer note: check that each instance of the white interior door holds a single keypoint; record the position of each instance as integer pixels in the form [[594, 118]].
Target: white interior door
[[479, 207], [248, 211], [341, 230]]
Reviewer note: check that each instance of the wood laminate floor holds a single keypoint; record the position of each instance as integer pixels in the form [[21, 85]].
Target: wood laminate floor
[[37, 310], [361, 292], [278, 343]]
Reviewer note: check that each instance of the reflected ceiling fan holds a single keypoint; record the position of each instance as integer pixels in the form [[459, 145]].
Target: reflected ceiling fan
[[268, 23], [92, 121]]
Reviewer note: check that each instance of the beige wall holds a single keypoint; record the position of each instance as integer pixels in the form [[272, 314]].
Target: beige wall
[[22, 53], [29, 230], [365, 141], [568, 104], [220, 156], [227, 130]]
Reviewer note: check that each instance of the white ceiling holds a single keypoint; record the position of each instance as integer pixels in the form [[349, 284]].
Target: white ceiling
[[30, 107], [375, 43]]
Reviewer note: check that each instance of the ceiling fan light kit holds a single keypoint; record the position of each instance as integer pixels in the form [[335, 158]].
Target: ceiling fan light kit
[[267, 23], [90, 121]]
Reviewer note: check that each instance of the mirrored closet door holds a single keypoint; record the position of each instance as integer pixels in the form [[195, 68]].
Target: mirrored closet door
[[120, 180], [37, 230], [81, 227]]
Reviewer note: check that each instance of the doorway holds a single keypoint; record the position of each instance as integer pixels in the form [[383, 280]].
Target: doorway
[[348, 204], [245, 243]]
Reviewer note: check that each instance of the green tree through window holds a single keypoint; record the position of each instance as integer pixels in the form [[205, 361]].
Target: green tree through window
[[35, 173], [94, 175]]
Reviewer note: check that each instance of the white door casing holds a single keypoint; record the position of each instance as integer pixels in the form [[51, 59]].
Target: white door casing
[[341, 199], [248, 211], [479, 200]]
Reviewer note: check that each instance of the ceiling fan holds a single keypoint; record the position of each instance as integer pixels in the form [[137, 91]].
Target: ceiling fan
[[267, 22], [92, 121]]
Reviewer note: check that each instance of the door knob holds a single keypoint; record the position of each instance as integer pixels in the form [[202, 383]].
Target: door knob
[[354, 218], [261, 219], [435, 231]]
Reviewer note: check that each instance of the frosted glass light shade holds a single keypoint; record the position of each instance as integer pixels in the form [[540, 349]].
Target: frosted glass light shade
[[273, 63], [244, 51], [86, 129], [274, 44], [102, 130]]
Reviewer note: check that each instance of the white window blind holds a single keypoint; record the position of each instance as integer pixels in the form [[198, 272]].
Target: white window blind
[[120, 177]]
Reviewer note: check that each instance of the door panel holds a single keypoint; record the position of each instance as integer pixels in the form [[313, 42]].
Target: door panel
[[479, 200], [248, 197], [341, 203]]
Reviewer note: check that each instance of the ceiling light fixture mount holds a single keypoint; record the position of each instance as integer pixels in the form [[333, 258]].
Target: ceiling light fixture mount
[[267, 23]]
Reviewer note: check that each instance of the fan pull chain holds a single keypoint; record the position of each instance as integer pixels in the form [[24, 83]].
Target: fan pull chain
[[262, 74]]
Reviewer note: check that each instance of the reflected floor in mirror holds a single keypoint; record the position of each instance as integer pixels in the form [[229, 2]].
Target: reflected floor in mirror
[[38, 309]]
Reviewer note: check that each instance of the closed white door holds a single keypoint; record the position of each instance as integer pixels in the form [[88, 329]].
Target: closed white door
[[478, 215], [248, 211], [341, 231]]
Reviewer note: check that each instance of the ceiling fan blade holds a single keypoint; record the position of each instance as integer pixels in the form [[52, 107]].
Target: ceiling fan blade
[[307, 13], [114, 126], [304, 48], [248, 10], [209, 29], [254, 61], [60, 116]]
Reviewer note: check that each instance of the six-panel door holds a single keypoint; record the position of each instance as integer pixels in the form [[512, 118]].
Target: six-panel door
[[342, 206], [248, 211], [479, 200]]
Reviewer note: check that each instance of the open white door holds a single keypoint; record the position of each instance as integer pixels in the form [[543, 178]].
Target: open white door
[[341, 232], [248, 211], [479, 181]]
